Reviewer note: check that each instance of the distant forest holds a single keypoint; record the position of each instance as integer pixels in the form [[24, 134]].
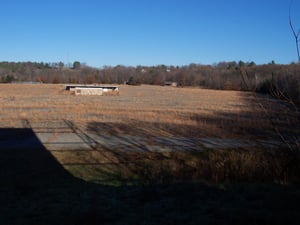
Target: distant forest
[[277, 79]]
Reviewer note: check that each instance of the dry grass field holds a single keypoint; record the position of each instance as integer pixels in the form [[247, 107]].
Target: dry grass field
[[151, 155], [152, 110]]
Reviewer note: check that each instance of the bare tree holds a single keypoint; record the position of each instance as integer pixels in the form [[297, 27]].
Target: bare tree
[[296, 34]]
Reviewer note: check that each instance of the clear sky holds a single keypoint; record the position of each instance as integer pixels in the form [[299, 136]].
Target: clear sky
[[148, 32]]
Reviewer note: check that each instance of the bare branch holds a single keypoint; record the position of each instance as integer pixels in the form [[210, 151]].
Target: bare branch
[[296, 35], [292, 27]]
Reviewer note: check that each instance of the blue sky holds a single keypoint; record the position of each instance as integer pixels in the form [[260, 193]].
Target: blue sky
[[148, 32]]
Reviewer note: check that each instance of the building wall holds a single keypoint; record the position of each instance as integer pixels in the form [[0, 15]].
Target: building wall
[[88, 91]]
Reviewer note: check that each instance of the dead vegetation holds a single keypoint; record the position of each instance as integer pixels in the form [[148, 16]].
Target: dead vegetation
[[189, 112]]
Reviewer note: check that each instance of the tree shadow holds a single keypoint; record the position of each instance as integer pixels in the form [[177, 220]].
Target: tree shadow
[[256, 118], [231, 204], [277, 119]]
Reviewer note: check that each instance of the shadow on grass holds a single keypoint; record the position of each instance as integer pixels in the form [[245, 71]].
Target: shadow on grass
[[36, 189], [263, 162], [281, 119]]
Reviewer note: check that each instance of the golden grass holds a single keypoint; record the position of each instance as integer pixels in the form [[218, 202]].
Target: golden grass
[[205, 112]]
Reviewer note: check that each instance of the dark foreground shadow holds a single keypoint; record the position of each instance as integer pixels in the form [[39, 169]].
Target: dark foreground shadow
[[36, 189], [33, 185], [24, 159]]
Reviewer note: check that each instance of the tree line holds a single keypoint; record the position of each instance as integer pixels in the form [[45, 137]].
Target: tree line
[[245, 76]]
